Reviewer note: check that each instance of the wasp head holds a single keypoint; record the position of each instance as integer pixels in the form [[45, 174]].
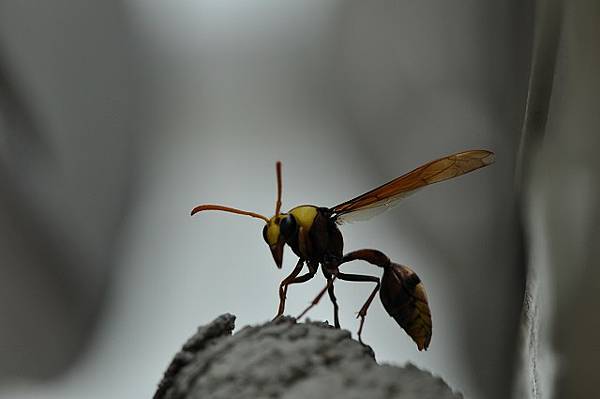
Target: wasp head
[[278, 230]]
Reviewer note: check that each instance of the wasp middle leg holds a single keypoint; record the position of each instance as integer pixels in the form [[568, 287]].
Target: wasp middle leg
[[330, 291], [330, 269], [331, 273], [317, 299], [362, 313]]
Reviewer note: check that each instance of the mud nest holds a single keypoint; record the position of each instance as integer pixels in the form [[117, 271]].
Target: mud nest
[[285, 359]]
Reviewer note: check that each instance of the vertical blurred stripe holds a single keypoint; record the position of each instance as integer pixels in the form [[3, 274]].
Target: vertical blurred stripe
[[546, 36], [559, 174]]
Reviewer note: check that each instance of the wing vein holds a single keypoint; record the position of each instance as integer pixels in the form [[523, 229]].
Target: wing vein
[[386, 195]]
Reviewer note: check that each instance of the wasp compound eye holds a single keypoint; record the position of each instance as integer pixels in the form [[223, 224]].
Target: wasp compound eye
[[288, 226], [264, 233]]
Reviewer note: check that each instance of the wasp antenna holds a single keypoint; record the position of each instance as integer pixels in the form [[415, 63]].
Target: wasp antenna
[[208, 207], [279, 188]]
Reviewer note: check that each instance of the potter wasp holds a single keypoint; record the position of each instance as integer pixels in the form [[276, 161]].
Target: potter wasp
[[313, 235]]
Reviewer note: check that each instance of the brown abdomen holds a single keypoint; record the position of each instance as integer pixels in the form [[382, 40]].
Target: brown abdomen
[[403, 297]]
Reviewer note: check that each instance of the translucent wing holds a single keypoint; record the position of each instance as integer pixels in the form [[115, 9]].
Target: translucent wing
[[388, 195], [369, 212]]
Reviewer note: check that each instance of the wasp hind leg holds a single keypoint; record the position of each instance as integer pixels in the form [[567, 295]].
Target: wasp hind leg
[[362, 313], [402, 295], [372, 256]]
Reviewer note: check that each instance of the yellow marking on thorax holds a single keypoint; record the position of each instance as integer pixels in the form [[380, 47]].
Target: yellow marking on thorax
[[305, 215]]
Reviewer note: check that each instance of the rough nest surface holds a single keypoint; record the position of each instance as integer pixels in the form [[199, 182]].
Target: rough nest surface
[[285, 359]]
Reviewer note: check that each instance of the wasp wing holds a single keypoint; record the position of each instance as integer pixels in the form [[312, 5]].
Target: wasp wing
[[370, 211], [384, 197]]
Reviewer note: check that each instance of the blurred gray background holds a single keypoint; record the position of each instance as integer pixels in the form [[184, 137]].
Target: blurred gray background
[[117, 117]]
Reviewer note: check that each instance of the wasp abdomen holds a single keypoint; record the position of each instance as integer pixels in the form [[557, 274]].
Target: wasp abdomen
[[404, 298]]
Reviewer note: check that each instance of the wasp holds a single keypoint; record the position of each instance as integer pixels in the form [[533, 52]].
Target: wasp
[[313, 234]]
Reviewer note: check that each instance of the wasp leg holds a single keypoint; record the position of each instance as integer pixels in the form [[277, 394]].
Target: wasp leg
[[312, 270], [336, 318], [362, 313], [372, 256], [295, 280], [283, 286], [302, 279], [330, 291], [329, 268], [318, 297]]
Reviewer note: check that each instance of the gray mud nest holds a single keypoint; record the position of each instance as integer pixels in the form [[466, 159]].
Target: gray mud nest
[[285, 359]]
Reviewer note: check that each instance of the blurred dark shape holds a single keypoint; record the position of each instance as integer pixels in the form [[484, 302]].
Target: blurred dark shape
[[22, 141], [547, 26], [68, 104]]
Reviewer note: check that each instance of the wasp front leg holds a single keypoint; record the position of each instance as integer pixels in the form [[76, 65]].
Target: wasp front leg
[[293, 279], [283, 286]]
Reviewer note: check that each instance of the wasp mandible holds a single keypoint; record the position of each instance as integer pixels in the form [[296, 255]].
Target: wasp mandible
[[313, 235]]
